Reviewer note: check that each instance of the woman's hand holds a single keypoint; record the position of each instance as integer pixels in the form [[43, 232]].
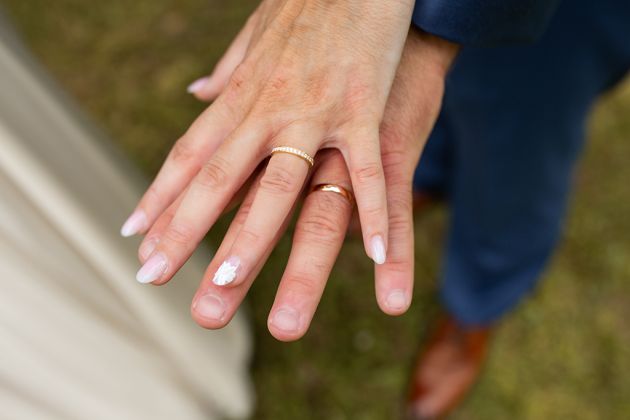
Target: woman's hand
[[411, 110], [315, 74]]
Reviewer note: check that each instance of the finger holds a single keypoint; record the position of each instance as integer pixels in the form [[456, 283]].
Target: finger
[[182, 164], [152, 238], [208, 195], [317, 240], [394, 279], [201, 140], [214, 306], [209, 87], [279, 188], [368, 181]]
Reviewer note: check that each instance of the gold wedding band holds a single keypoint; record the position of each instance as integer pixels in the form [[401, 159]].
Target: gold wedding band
[[295, 152], [336, 189]]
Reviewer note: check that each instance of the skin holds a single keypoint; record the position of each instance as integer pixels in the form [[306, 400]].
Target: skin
[[315, 74], [411, 110]]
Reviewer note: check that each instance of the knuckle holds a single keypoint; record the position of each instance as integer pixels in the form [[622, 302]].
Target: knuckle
[[301, 283], [278, 82], [368, 172], [393, 158], [401, 222], [278, 180], [180, 235], [373, 211], [243, 213], [400, 266], [182, 151], [241, 74], [248, 236], [401, 227], [321, 228], [399, 162], [214, 174], [401, 203]]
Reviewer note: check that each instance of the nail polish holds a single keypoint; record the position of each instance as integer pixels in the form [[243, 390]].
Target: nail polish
[[134, 224], [210, 306], [152, 269], [377, 246], [197, 85], [286, 319], [227, 272], [396, 300]]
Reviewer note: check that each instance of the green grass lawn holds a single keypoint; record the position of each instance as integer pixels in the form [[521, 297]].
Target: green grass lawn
[[564, 354]]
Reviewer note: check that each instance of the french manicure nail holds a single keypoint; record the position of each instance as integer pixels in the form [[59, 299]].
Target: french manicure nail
[[134, 224], [197, 85], [396, 300], [147, 247], [286, 320], [227, 271], [377, 245], [210, 306], [152, 269]]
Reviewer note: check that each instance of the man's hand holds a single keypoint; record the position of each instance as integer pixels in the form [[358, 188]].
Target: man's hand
[[411, 111]]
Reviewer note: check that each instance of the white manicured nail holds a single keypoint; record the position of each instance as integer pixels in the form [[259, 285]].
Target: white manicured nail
[[197, 85], [227, 271], [152, 269], [396, 300], [377, 246], [135, 223]]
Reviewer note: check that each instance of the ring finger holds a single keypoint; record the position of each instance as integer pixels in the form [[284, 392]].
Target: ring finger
[[318, 238], [279, 188]]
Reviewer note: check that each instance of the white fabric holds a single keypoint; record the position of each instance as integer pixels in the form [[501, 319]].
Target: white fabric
[[79, 337]]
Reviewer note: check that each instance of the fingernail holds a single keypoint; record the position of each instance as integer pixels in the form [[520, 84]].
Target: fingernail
[[286, 320], [210, 307], [147, 247], [396, 300], [152, 269], [134, 224], [377, 246], [197, 85], [227, 271]]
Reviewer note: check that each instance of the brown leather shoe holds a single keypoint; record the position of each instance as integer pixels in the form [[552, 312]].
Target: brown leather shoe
[[446, 370]]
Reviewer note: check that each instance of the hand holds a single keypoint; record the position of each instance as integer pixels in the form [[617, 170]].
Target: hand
[[410, 113], [317, 76]]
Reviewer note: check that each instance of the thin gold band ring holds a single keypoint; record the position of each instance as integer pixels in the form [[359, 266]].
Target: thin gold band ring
[[295, 152], [336, 189]]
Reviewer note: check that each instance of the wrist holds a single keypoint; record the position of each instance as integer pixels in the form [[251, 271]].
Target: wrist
[[432, 52]]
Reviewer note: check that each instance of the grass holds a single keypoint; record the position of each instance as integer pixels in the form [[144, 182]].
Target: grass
[[563, 354]]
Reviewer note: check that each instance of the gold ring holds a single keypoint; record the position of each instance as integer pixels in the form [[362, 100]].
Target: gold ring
[[336, 189], [295, 152]]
